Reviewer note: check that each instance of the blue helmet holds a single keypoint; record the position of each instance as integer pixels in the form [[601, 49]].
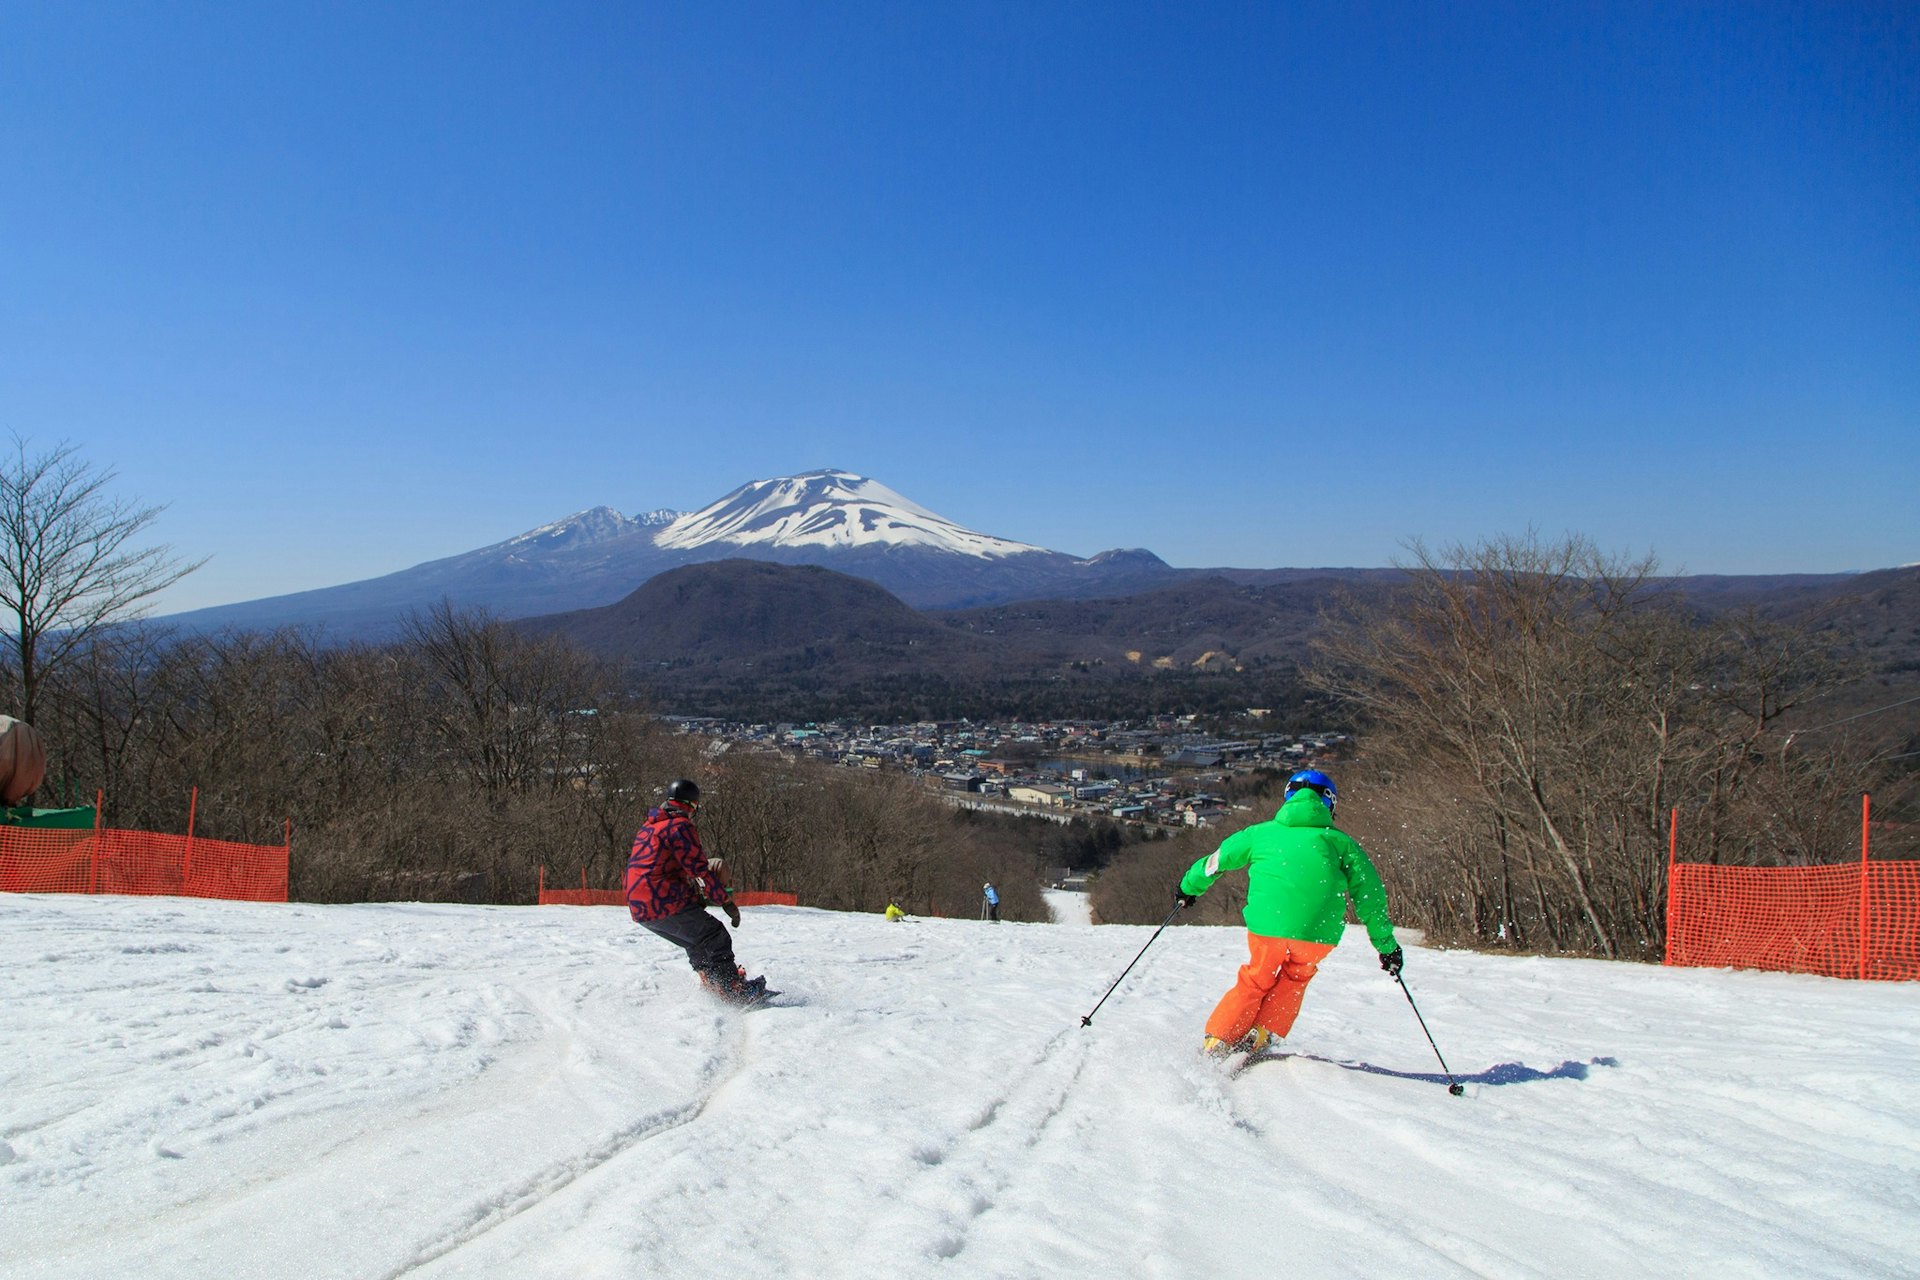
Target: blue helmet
[[1315, 781]]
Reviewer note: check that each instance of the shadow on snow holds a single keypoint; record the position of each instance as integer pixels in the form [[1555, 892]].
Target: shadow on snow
[[1505, 1073]]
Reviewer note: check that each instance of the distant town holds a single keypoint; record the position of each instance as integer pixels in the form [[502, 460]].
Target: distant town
[[1162, 772]]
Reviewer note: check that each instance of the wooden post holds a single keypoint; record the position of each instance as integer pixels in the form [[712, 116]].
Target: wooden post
[[1673, 857], [1866, 814]]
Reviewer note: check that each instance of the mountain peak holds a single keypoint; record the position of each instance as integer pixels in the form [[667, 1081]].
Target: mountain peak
[[1138, 557], [827, 508], [595, 524]]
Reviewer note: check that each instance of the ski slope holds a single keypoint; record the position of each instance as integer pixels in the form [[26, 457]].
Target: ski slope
[[213, 1089]]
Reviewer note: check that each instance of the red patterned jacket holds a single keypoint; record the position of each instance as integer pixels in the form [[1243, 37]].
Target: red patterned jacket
[[667, 872]]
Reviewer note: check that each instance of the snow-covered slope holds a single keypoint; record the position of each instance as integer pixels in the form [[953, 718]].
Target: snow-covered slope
[[201, 1089], [826, 509]]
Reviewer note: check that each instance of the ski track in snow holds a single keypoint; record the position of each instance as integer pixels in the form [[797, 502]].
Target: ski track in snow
[[220, 1089]]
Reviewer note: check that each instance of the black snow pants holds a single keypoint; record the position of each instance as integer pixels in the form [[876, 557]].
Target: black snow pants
[[705, 940]]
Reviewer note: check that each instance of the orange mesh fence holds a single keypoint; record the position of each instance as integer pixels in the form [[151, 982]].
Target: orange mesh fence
[[139, 862], [582, 897], [1893, 920], [46, 861], [1798, 919]]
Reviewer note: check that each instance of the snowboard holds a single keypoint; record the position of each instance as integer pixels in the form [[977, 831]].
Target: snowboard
[[751, 999]]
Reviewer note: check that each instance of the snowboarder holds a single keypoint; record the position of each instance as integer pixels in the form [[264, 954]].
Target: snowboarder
[[990, 903], [894, 913], [669, 886], [1301, 872]]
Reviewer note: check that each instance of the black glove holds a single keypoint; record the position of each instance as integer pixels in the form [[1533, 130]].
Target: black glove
[[1392, 961], [1184, 899], [733, 914]]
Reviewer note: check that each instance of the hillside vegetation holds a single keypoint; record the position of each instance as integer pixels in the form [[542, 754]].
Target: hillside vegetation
[[1533, 715], [454, 763], [1529, 715], [753, 640]]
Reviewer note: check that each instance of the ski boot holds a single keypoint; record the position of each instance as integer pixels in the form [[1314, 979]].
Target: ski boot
[[1251, 1043]]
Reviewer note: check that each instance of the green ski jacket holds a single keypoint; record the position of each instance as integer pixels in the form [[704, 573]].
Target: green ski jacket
[[1301, 870]]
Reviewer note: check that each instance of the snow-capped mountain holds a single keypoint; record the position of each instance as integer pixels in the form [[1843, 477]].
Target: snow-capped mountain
[[596, 524], [832, 518], [827, 509]]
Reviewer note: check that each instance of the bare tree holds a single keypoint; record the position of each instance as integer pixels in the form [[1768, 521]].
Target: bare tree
[[67, 563], [1538, 709], [503, 704]]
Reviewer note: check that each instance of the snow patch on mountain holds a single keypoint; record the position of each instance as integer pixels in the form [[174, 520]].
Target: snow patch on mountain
[[596, 524], [828, 509]]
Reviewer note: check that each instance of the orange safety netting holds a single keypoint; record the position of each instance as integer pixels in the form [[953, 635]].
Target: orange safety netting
[[139, 862], [766, 898], [1799, 919], [582, 897]]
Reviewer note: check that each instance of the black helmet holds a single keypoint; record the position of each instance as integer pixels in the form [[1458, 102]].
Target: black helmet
[[684, 791]]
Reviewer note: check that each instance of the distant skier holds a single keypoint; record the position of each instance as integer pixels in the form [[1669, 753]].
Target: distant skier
[[669, 885], [990, 903], [1301, 872], [894, 913]]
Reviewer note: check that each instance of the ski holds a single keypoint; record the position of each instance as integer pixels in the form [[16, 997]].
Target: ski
[[1243, 1060]]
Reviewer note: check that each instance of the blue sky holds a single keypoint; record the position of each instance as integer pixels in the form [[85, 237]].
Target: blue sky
[[351, 287]]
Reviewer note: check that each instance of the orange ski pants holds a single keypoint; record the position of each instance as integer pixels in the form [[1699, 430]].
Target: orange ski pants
[[1269, 989]]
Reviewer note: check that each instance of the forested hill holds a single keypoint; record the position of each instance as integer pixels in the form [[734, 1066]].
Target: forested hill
[[798, 640], [730, 636]]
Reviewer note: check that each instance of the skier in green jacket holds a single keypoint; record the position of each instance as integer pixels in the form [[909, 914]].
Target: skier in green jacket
[[1301, 871]]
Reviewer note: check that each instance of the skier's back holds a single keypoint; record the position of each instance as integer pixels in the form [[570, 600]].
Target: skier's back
[[1301, 872]]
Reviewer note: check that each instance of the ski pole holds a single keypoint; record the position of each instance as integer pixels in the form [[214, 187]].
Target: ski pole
[[1178, 907], [1454, 1087]]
